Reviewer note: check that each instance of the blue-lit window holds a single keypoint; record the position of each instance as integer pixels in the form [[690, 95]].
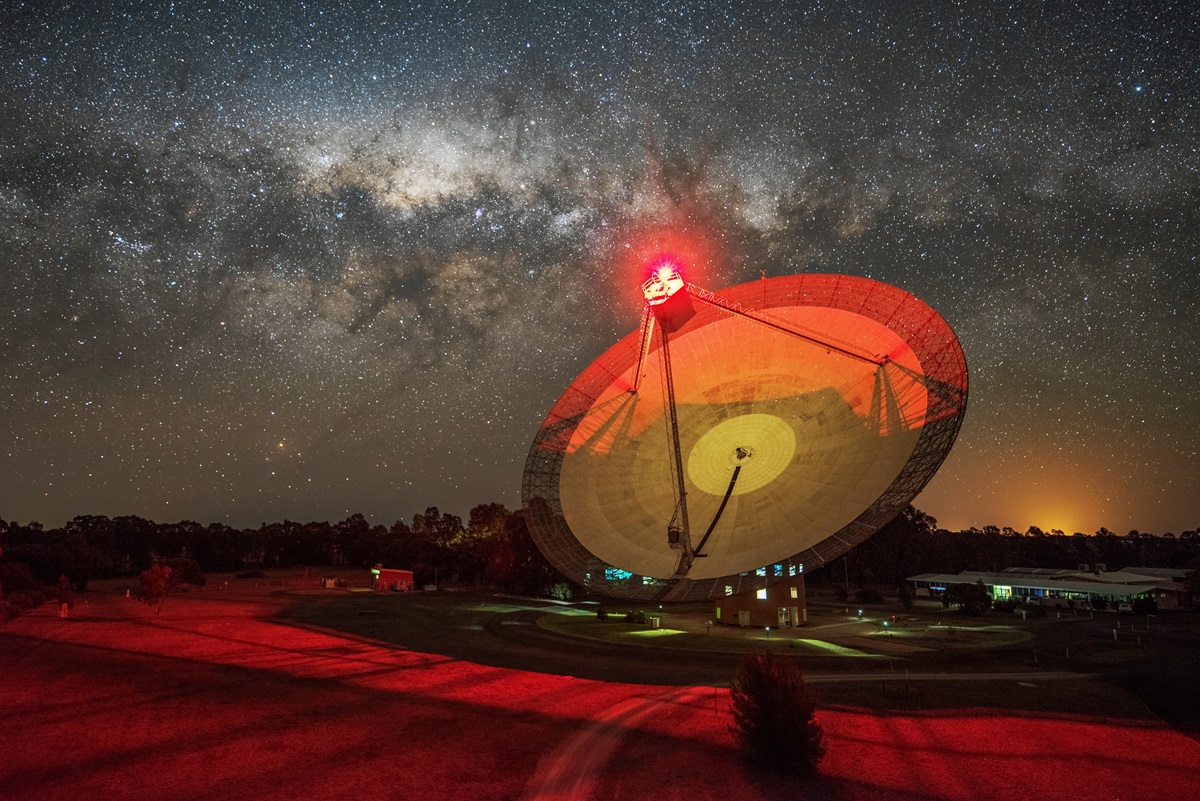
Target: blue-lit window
[[616, 574]]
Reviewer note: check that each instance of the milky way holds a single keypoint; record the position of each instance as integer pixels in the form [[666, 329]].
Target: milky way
[[262, 263]]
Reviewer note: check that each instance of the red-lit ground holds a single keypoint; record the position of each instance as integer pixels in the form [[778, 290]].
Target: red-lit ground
[[213, 700]]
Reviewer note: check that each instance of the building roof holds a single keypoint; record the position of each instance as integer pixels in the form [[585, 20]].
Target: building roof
[[1164, 578], [1156, 572], [1046, 583], [1037, 571]]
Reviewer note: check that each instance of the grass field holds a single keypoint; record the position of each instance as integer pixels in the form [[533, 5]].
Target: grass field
[[216, 698]]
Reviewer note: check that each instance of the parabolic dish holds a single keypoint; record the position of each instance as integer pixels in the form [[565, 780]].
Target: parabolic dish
[[808, 411]]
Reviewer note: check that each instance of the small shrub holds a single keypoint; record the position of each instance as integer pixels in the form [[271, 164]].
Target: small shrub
[[1034, 610], [868, 595], [773, 715], [1099, 604], [1005, 605], [9, 611], [251, 574], [185, 571], [15, 577], [21, 601], [1144, 606], [64, 593], [972, 599], [602, 615]]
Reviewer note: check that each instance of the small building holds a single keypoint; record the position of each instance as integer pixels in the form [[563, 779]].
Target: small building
[[781, 604], [1083, 587], [388, 578]]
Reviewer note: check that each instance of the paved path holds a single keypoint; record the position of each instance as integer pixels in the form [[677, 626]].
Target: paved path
[[571, 772]]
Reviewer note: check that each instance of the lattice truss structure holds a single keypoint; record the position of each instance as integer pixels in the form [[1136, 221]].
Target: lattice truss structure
[[787, 419]]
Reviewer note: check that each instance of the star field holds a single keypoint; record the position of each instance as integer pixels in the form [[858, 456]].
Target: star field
[[264, 263]]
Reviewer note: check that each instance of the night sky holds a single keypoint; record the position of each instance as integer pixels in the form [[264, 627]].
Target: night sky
[[299, 260]]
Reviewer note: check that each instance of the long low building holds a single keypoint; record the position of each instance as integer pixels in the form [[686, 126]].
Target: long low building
[[1084, 588]]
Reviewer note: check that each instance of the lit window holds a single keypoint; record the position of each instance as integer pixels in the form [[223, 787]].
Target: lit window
[[791, 570], [795, 593], [761, 595], [616, 574], [779, 570], [762, 571], [728, 589]]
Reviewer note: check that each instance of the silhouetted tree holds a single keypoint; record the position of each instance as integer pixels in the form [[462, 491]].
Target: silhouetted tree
[[773, 715], [1144, 606], [1191, 580], [82, 561], [42, 559], [133, 540], [156, 585], [16, 577], [517, 565], [162, 578], [971, 599], [900, 548], [436, 535], [483, 535]]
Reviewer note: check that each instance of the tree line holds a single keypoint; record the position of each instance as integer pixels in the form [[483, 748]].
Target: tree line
[[493, 548]]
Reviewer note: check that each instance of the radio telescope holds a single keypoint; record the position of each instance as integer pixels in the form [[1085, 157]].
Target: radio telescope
[[736, 438]]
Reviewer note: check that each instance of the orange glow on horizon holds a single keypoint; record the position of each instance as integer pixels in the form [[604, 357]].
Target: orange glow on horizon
[[1056, 494], [1049, 506]]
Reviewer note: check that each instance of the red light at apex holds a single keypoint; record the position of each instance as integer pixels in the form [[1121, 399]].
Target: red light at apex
[[665, 280]]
